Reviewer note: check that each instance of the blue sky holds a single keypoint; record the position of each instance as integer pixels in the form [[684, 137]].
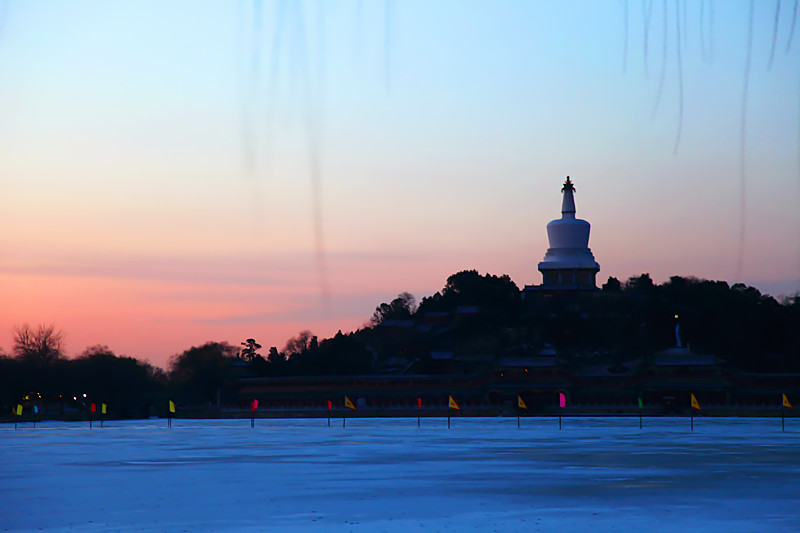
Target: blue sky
[[160, 155]]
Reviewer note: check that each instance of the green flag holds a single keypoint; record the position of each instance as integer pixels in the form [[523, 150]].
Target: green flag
[[640, 403]]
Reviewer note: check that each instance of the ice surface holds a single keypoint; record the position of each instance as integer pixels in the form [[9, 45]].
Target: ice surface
[[603, 474]]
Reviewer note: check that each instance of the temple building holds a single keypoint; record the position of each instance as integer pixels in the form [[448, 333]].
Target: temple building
[[568, 263]]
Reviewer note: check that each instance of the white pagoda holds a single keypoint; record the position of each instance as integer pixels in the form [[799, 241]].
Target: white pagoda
[[568, 263]]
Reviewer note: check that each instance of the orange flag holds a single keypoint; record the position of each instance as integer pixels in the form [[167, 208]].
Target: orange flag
[[695, 405], [786, 401], [520, 403], [349, 404], [452, 404]]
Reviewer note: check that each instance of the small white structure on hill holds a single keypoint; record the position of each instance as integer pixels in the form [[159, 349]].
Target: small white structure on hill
[[568, 263]]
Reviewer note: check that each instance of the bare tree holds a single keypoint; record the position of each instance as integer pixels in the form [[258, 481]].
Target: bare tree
[[41, 346]]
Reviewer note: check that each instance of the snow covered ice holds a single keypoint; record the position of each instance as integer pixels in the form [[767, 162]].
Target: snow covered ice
[[603, 474]]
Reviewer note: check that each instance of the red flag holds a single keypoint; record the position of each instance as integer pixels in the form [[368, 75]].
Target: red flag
[[330, 405], [94, 408], [255, 405], [419, 402]]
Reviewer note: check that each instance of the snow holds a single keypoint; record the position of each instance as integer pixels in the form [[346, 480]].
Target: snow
[[483, 474]]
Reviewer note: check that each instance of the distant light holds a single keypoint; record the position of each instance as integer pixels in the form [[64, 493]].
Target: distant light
[[676, 316], [84, 394], [75, 398]]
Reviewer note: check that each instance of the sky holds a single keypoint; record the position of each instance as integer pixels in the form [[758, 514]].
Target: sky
[[183, 172]]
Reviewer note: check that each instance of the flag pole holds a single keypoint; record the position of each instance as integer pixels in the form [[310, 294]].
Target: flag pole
[[783, 423], [641, 406]]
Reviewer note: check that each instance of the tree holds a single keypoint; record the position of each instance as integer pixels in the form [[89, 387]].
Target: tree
[[299, 344], [497, 297], [400, 308], [250, 351], [612, 285], [643, 284], [275, 357], [124, 383], [200, 373], [41, 346]]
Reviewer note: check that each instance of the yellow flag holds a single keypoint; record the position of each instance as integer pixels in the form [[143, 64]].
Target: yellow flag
[[19, 409], [452, 404], [695, 405], [103, 408], [349, 404], [786, 401], [171, 406], [520, 403]]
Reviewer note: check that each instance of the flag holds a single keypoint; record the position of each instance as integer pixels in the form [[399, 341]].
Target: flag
[[562, 399], [640, 403], [520, 403], [330, 405], [695, 405], [171, 406], [36, 409], [255, 405], [349, 404], [786, 401], [94, 408], [452, 404], [19, 409], [103, 408], [419, 402]]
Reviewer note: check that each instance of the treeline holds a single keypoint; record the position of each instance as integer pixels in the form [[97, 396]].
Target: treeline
[[473, 320]]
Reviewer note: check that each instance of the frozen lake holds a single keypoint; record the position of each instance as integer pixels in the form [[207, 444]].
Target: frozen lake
[[732, 475]]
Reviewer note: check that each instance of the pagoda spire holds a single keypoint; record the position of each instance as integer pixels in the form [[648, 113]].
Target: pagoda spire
[[568, 201]]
